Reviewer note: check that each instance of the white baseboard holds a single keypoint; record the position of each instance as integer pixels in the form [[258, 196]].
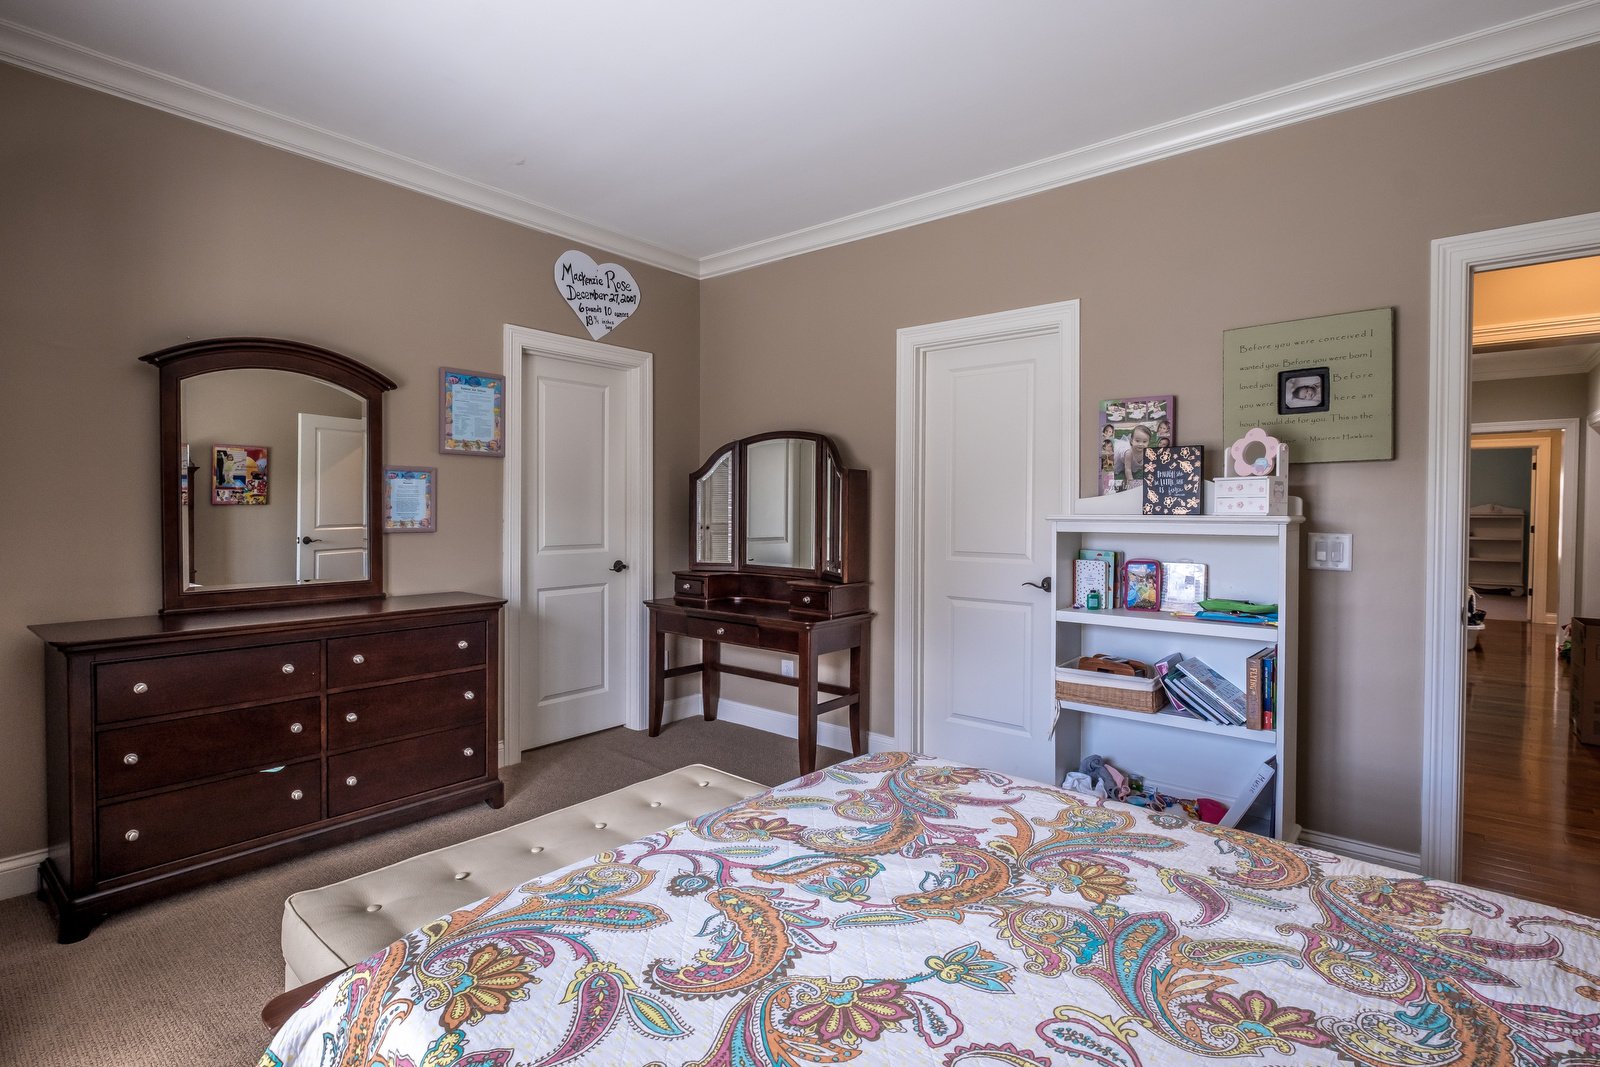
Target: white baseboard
[[1361, 850], [829, 735], [19, 875]]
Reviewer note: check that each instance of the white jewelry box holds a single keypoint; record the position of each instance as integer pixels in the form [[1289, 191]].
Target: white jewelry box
[[1264, 495]]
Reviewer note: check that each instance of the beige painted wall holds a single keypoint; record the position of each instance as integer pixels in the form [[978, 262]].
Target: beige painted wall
[[1328, 216], [125, 230]]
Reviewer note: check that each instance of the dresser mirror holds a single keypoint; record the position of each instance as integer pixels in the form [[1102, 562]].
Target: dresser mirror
[[271, 471], [774, 504]]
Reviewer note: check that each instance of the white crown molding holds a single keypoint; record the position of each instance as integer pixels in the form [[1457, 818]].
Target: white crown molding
[[1568, 27], [1539, 363], [69, 62], [1542, 331], [1538, 35]]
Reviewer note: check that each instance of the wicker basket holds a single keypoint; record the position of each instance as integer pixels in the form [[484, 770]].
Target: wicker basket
[[1109, 690]]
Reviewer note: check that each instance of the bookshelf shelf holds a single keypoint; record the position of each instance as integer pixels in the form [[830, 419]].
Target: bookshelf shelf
[[1173, 720], [1168, 622], [1255, 560]]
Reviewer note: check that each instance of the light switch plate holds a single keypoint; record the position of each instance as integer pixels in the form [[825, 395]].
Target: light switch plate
[[1328, 551]]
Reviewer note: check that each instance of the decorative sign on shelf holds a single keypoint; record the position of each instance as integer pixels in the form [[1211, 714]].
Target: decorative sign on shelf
[[602, 295], [1173, 480], [1324, 385]]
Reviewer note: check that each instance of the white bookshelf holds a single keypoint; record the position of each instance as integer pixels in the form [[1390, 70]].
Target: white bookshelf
[[1254, 558], [1497, 538]]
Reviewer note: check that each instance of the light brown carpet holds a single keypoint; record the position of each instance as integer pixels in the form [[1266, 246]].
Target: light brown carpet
[[181, 981]]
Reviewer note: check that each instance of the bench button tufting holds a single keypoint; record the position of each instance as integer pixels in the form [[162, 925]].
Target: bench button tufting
[[536, 849], [374, 907], [599, 826], [704, 784], [655, 803], [463, 874]]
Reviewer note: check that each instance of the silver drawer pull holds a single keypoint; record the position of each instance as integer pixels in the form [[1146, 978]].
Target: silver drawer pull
[[358, 658], [461, 644], [687, 587], [140, 687], [295, 728], [721, 630], [350, 716], [350, 780], [466, 752], [297, 795], [805, 600], [470, 695], [131, 835], [288, 668], [131, 758]]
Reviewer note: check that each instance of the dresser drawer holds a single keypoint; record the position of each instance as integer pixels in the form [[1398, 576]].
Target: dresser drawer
[[137, 834], [137, 689], [398, 653], [133, 758], [826, 600], [362, 716], [689, 587], [712, 630], [382, 773]]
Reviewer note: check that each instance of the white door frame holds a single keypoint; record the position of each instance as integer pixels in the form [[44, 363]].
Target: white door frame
[[1565, 604], [915, 344], [521, 344], [1444, 650]]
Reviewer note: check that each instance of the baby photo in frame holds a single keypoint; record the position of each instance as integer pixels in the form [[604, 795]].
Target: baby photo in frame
[[1141, 585], [1302, 390]]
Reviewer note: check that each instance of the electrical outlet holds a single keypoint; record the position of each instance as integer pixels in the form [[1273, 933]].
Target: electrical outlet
[[786, 667], [1329, 551]]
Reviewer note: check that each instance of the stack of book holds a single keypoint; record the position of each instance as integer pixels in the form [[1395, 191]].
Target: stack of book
[[1261, 689], [1196, 689]]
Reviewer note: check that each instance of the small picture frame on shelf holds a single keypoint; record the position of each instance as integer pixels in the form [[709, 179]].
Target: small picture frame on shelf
[[1172, 480], [1183, 586], [1141, 585]]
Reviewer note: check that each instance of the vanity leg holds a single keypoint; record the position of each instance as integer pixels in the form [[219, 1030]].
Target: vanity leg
[[658, 670], [806, 703], [710, 677], [860, 675]]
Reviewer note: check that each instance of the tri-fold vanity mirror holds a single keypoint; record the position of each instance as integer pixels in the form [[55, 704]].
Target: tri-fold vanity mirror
[[271, 474], [778, 562]]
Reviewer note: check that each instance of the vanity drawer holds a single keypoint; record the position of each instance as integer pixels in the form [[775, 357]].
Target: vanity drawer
[[132, 758], [714, 630], [381, 656], [400, 769], [825, 599], [362, 716], [137, 689], [689, 587], [137, 834]]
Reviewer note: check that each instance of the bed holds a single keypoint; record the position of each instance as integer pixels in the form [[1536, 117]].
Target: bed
[[900, 909]]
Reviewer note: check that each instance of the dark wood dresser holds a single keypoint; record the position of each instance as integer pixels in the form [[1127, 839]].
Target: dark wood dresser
[[184, 748]]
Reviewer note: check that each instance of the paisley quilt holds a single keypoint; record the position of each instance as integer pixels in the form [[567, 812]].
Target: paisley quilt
[[898, 909]]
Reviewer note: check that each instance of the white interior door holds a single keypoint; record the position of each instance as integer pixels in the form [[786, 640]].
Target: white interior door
[[992, 477], [331, 515], [576, 532]]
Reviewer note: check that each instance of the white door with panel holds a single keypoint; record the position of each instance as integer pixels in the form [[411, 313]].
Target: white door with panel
[[576, 544], [331, 500], [991, 480]]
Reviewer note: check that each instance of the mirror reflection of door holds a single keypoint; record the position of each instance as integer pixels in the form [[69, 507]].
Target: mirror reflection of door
[[714, 513], [235, 547], [331, 513], [780, 500]]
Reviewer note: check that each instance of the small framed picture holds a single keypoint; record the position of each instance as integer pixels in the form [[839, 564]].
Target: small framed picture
[[239, 474], [472, 413], [1303, 390], [410, 499], [1141, 584]]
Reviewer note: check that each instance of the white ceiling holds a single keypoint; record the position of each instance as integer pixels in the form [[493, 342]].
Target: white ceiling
[[709, 135]]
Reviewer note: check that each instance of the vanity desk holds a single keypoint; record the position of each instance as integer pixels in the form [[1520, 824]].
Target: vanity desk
[[780, 544], [280, 702]]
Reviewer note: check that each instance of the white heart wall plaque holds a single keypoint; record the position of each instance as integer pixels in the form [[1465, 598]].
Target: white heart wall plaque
[[602, 295]]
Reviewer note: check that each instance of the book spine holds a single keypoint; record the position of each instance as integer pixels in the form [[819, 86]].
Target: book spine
[[1269, 692], [1254, 672]]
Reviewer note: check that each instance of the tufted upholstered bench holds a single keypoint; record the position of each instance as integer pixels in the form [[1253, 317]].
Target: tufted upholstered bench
[[326, 930]]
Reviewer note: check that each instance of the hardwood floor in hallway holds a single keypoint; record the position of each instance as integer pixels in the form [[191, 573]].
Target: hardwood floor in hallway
[[1531, 810]]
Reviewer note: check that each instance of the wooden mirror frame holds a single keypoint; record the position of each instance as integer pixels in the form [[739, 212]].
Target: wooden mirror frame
[[193, 358], [844, 510]]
